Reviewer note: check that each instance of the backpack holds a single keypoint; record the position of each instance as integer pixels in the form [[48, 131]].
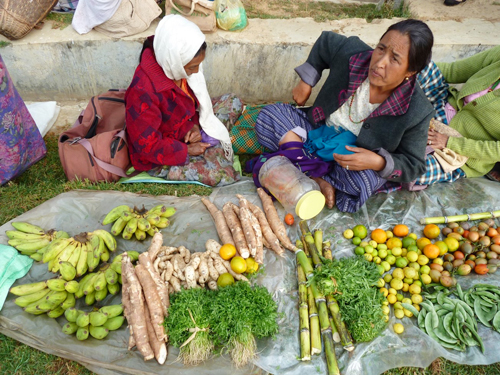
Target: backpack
[[95, 147]]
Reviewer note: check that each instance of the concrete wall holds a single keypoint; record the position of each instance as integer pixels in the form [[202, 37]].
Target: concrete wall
[[256, 64]]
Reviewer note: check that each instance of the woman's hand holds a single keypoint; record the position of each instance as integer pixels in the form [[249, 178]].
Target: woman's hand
[[198, 148], [301, 93], [436, 140], [361, 159], [193, 135]]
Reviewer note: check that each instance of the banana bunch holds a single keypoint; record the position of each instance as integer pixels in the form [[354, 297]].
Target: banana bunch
[[74, 256], [96, 323], [138, 222], [52, 296], [31, 240]]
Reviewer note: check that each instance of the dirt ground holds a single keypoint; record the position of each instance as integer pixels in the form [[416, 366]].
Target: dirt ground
[[488, 10]]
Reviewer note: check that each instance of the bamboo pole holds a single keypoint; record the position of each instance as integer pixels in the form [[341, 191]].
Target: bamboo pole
[[314, 324], [305, 334], [464, 217]]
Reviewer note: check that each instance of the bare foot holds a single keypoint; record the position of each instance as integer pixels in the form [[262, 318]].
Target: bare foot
[[327, 190]]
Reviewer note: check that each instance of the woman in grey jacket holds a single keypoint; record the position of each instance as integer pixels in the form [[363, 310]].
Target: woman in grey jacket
[[371, 93]]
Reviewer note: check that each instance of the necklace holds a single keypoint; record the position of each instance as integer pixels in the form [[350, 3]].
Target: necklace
[[350, 106]]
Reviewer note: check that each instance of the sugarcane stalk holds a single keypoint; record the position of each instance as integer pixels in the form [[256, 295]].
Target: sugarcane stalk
[[314, 324], [335, 333], [464, 217], [327, 250], [305, 335], [310, 245], [345, 336], [318, 239]]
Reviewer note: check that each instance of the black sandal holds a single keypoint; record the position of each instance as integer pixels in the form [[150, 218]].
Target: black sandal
[[453, 2]]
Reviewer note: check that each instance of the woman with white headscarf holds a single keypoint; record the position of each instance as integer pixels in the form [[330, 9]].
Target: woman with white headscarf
[[172, 131]]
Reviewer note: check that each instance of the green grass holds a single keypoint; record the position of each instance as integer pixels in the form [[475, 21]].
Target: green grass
[[45, 180]]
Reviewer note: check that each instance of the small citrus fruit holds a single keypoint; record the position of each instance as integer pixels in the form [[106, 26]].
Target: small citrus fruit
[[398, 328], [422, 260], [452, 243], [392, 299], [348, 233], [360, 231], [394, 242], [431, 231], [431, 251], [225, 279], [413, 235], [399, 313], [227, 251], [423, 242], [443, 248], [401, 230], [252, 265], [389, 234], [238, 264], [356, 241], [379, 236], [407, 241], [412, 256]]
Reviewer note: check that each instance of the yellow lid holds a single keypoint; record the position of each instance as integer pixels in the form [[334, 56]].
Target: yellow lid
[[310, 204]]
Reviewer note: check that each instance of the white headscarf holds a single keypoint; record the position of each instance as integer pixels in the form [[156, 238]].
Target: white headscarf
[[175, 44]]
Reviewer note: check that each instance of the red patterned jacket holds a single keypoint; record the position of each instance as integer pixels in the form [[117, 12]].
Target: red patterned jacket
[[158, 116]]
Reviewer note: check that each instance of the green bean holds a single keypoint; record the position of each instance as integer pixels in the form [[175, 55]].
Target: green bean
[[421, 319], [490, 314], [447, 324], [410, 308], [476, 336], [440, 298], [460, 292], [466, 307], [480, 313], [443, 335], [429, 327], [496, 321]]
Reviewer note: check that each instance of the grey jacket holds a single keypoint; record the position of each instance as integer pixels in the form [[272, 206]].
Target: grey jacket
[[400, 139]]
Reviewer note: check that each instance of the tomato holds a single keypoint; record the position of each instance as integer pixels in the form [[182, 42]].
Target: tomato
[[289, 219]]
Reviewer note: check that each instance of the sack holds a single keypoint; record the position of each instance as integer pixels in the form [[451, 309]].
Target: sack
[[199, 12], [131, 17], [243, 135], [230, 15], [95, 147]]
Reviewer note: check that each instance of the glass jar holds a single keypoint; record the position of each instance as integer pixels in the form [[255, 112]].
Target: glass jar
[[292, 188]]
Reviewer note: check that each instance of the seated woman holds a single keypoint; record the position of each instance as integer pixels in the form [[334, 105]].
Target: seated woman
[[172, 131], [473, 111], [372, 94]]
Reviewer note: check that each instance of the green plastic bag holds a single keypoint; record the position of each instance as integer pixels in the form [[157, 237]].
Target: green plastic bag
[[230, 15]]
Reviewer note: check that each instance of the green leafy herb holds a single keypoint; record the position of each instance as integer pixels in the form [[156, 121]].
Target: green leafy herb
[[352, 281]]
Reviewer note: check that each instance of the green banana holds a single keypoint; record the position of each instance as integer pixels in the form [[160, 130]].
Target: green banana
[[70, 301], [153, 219], [55, 248], [66, 253], [89, 284], [73, 259], [112, 310], [82, 333], [114, 323], [164, 222], [170, 211], [56, 285], [61, 234], [71, 314], [105, 255], [94, 256], [15, 234], [29, 245], [152, 231], [126, 216], [55, 313], [98, 332], [101, 294], [27, 299], [133, 255], [53, 300], [97, 318], [140, 235], [131, 226], [37, 257], [120, 279], [143, 224], [114, 288], [118, 226], [51, 264], [115, 213], [43, 249], [100, 281], [82, 265], [83, 320], [117, 267], [108, 239], [22, 290], [68, 272], [72, 286], [69, 328], [27, 227], [83, 282], [90, 298], [111, 276], [127, 235], [34, 309]]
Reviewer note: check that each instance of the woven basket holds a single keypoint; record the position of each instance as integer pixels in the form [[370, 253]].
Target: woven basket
[[18, 17]]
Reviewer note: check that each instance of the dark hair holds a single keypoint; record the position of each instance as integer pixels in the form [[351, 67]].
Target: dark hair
[[148, 43], [421, 41]]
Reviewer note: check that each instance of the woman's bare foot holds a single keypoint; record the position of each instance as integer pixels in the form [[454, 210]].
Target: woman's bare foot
[[327, 190]]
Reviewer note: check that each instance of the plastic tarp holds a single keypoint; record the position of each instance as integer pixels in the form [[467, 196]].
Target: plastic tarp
[[78, 211]]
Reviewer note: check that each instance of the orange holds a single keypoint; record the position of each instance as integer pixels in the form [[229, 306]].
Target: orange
[[401, 230], [423, 242], [431, 231], [379, 235], [394, 242], [238, 264], [227, 251], [431, 251]]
